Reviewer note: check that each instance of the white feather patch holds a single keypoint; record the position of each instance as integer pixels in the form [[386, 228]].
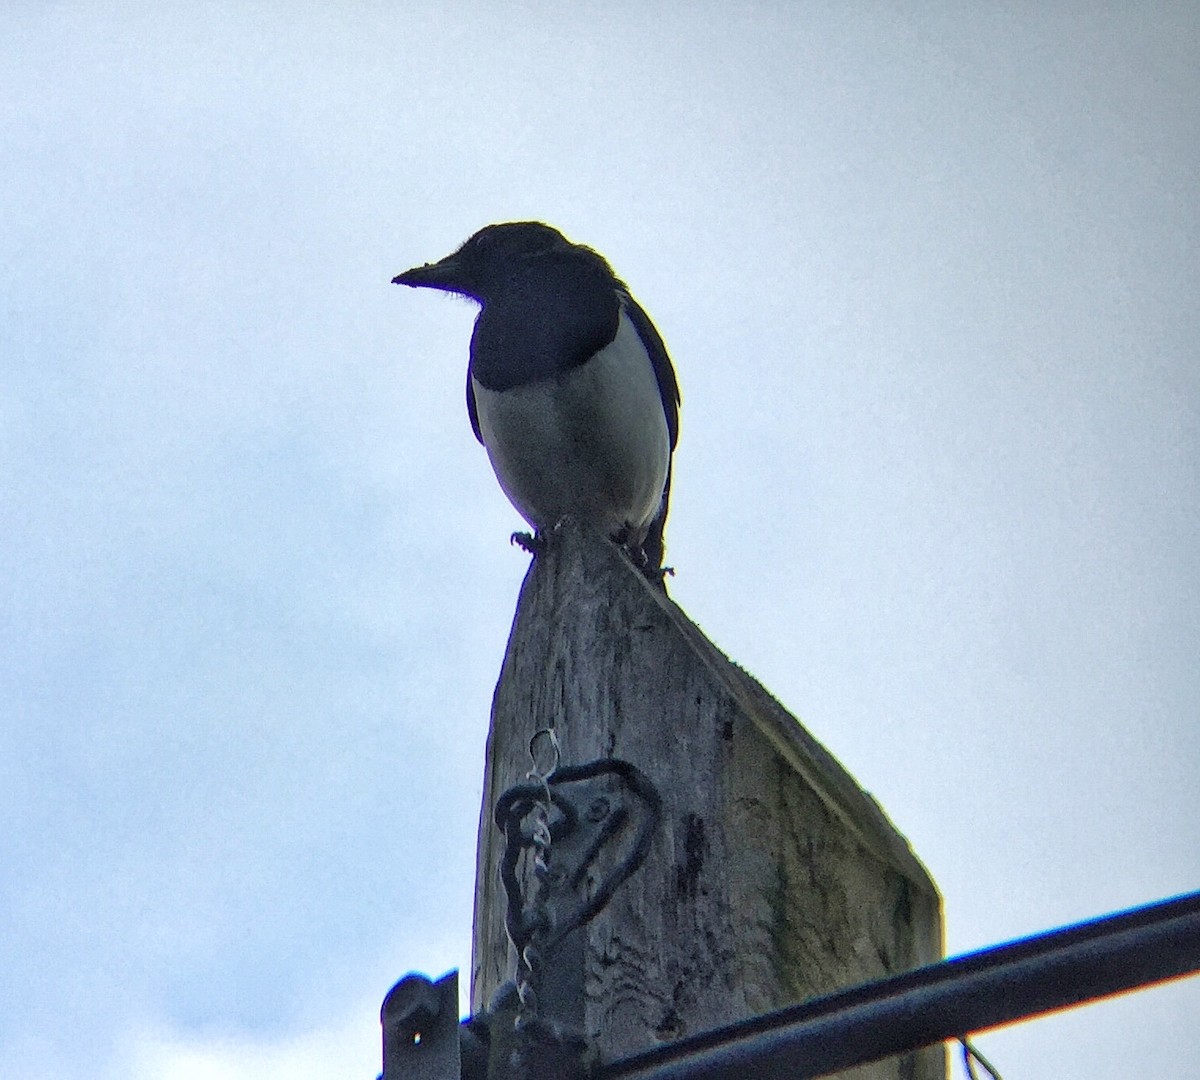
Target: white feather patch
[[591, 443]]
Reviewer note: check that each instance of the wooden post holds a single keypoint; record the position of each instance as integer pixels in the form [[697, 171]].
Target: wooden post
[[773, 877]]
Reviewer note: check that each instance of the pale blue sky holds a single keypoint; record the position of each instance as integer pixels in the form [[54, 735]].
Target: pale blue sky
[[929, 277]]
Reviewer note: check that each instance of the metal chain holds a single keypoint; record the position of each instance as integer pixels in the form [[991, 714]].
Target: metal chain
[[537, 914]]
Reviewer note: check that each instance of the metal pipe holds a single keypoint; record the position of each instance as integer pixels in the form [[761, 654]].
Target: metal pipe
[[950, 999]]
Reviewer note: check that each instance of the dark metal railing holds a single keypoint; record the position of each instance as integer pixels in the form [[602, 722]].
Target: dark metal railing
[[947, 1000]]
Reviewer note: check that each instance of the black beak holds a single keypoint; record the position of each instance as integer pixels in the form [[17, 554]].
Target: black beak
[[446, 274]]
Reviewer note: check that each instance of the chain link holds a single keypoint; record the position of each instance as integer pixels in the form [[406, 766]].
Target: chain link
[[529, 967]]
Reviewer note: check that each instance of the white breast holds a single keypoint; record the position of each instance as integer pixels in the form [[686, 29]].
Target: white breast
[[591, 443]]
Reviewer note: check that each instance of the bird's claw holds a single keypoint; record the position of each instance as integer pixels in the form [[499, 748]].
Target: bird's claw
[[527, 542]]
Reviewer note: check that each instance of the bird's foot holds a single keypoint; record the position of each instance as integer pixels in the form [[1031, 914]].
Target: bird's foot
[[657, 576], [624, 539], [530, 542], [649, 567]]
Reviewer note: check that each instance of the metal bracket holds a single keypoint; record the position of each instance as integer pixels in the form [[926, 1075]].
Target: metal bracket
[[594, 809], [420, 1029], [571, 839], [577, 834]]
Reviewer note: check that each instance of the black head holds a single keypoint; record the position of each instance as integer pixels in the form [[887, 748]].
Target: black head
[[498, 256]]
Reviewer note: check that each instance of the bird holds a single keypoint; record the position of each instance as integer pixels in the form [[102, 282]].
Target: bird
[[569, 385]]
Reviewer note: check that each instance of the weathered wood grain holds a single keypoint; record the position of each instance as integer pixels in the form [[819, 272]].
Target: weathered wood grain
[[774, 877]]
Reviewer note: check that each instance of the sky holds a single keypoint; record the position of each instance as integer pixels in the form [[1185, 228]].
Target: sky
[[928, 274]]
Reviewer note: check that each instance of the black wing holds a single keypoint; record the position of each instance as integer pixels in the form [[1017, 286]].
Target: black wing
[[653, 547], [668, 387], [471, 410]]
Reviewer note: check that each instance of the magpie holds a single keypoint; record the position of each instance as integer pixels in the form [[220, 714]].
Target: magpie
[[569, 385]]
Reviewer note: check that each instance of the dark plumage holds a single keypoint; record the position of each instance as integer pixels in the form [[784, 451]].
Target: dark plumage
[[569, 386]]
